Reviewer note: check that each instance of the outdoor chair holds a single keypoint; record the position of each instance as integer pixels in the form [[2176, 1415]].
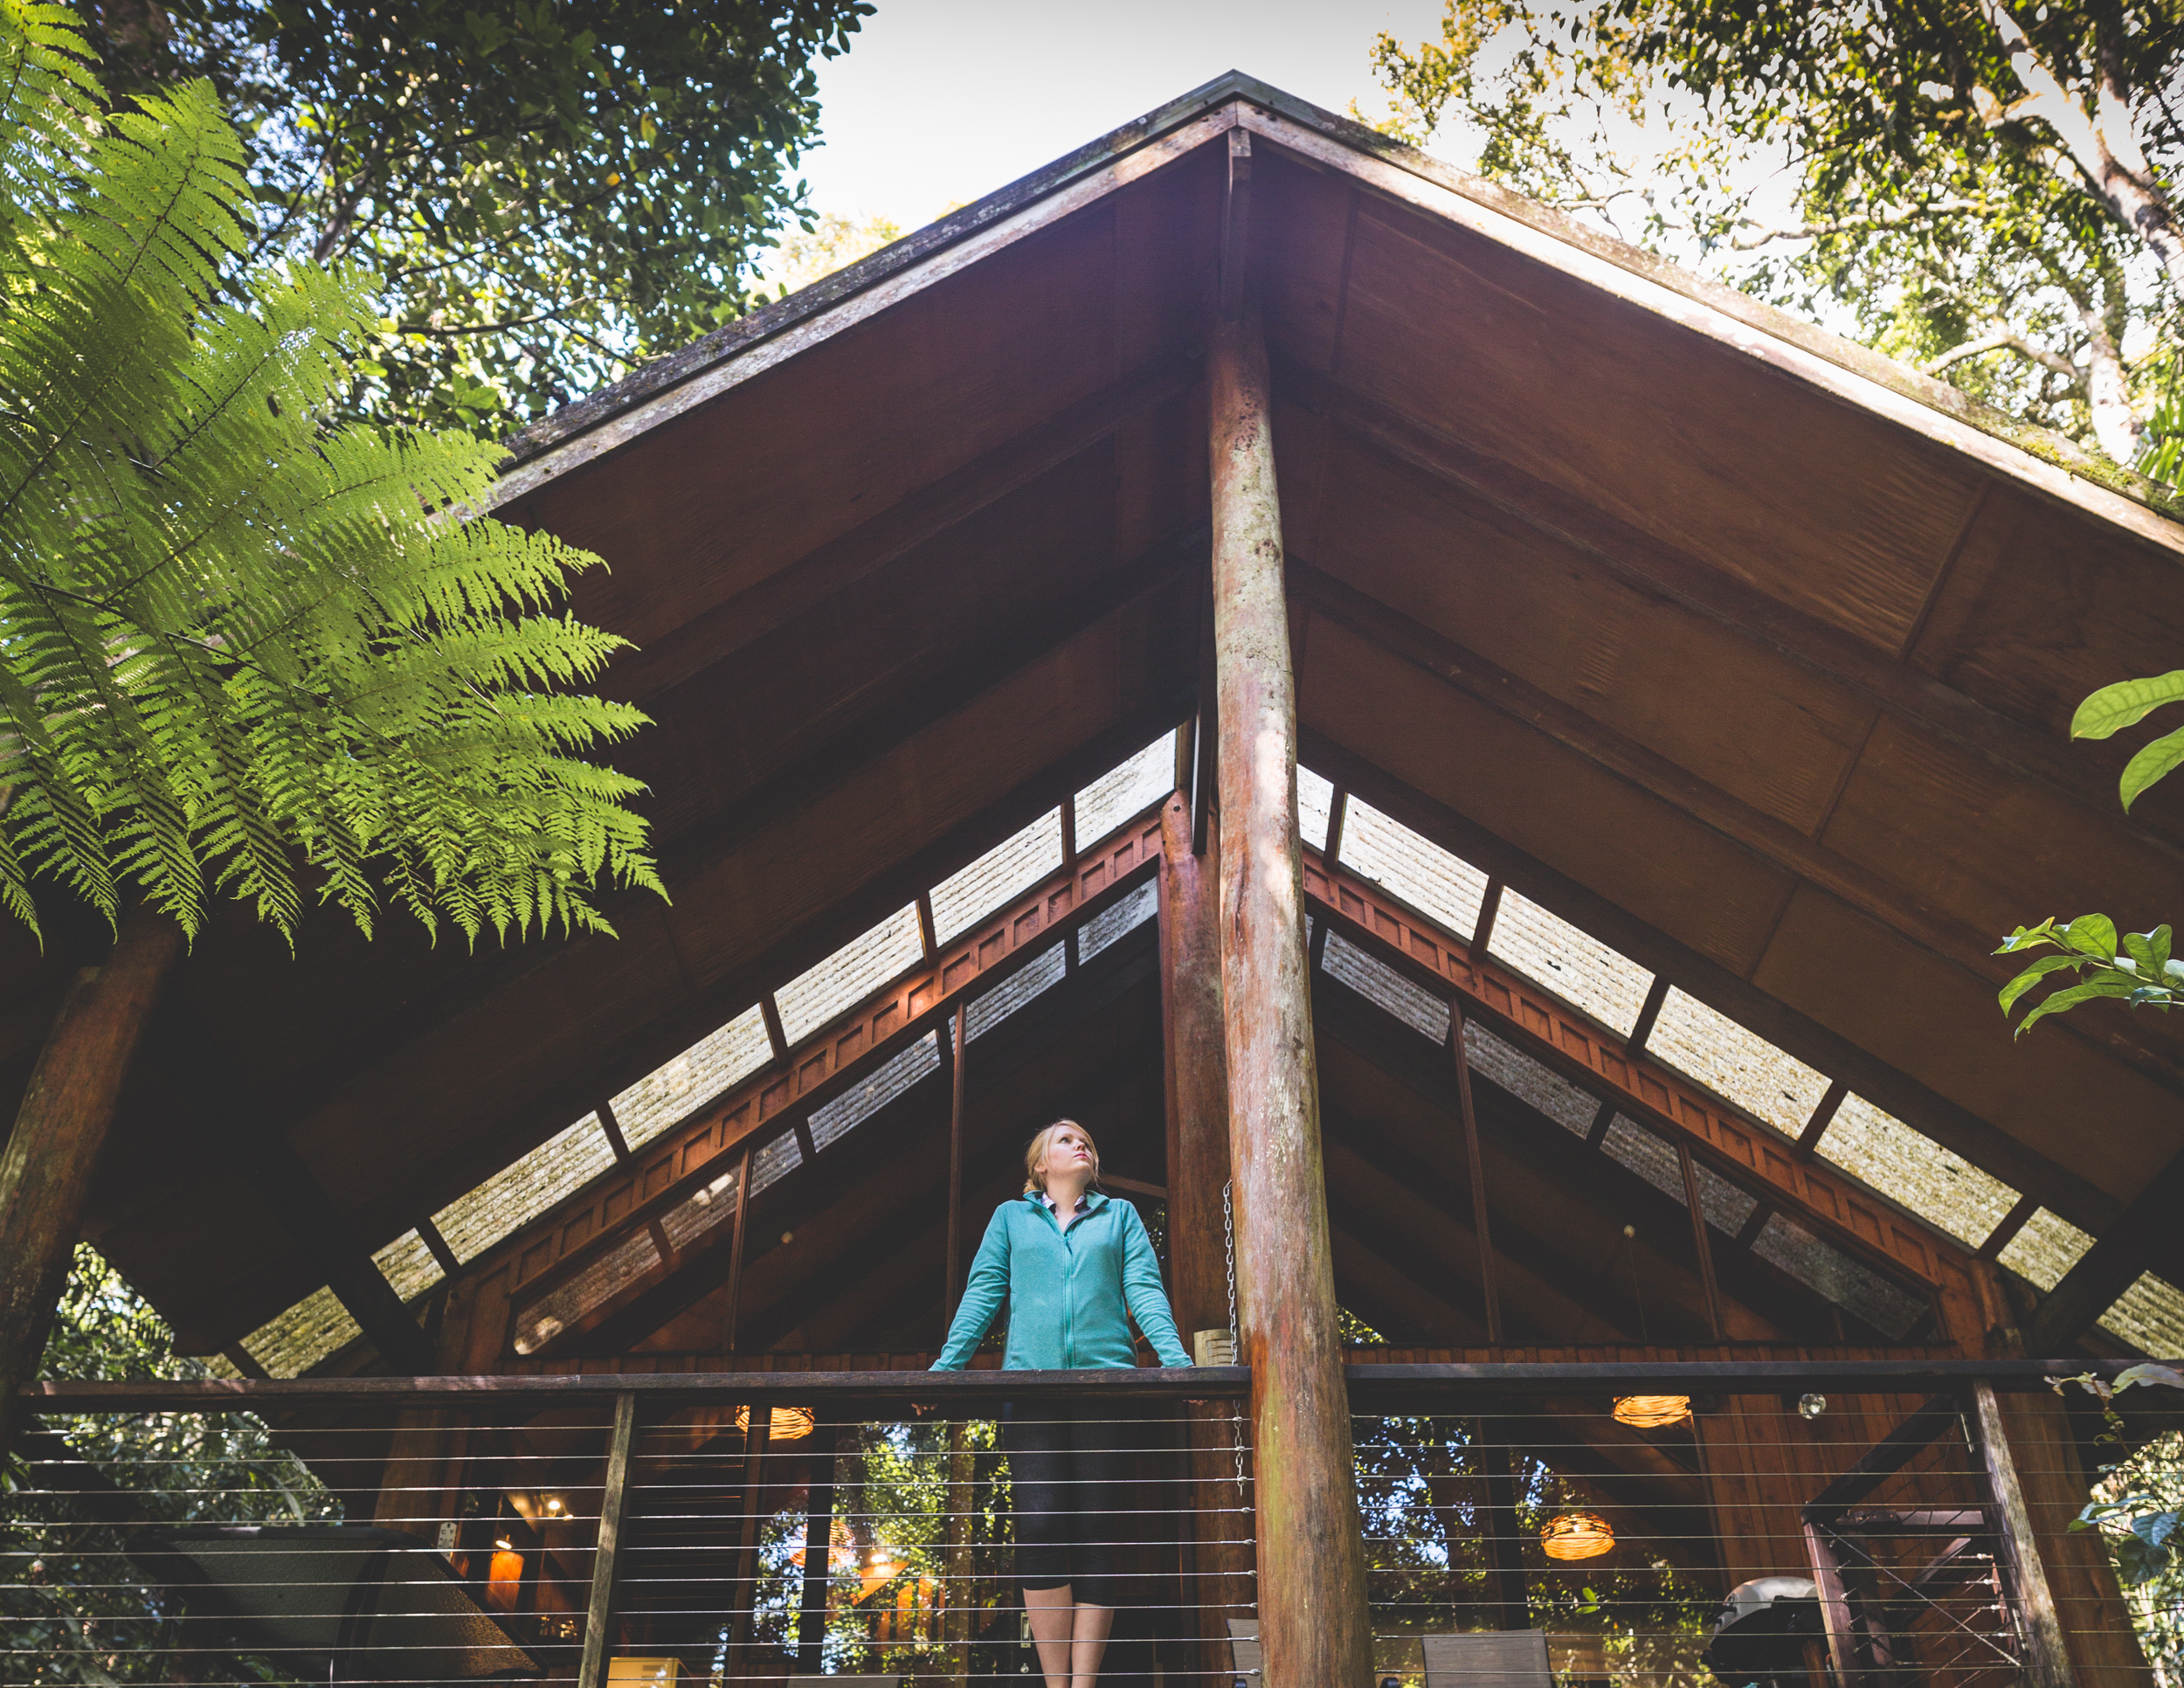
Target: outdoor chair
[[1487, 1658]]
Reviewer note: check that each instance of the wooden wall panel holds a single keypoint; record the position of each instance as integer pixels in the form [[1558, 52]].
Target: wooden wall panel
[[1664, 868], [1786, 489]]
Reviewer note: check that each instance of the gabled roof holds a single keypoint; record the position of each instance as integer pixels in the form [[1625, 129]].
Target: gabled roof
[[1742, 649]]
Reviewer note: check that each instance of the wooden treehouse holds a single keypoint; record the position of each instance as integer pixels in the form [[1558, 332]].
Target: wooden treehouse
[[1498, 763]]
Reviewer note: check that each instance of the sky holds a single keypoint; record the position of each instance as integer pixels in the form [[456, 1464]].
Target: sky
[[938, 102]]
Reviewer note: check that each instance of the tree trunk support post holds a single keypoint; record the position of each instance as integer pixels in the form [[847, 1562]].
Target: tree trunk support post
[[1196, 1080], [613, 1497], [1313, 1625], [53, 1154], [2044, 1648]]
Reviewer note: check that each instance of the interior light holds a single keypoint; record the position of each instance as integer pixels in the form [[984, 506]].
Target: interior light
[[1652, 1411], [504, 1576], [555, 1506], [1576, 1535], [787, 1423]]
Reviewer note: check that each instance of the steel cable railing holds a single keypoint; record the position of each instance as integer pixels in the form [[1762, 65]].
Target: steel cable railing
[[1528, 1523]]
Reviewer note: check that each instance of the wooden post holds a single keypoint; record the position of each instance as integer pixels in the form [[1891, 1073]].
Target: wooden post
[[1835, 1606], [743, 1581], [959, 1031], [2044, 1649], [1510, 1602], [736, 1247], [53, 1153], [819, 1547], [1196, 1079], [1700, 1241], [1475, 1160], [599, 1612], [956, 1586], [1313, 1625]]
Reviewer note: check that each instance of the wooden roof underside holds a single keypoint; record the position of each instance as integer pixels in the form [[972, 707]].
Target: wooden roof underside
[[1742, 649]]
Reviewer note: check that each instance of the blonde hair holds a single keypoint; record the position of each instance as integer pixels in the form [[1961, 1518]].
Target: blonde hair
[[1036, 1152]]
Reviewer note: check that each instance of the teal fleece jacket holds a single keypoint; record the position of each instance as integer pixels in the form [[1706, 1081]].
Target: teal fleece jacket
[[1066, 1290]]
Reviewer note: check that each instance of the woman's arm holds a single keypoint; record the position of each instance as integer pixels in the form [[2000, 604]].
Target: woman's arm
[[981, 1295], [1140, 1289]]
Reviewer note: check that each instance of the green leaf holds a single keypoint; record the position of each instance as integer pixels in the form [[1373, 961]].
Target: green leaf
[[2093, 935], [2150, 950], [2110, 985], [2126, 703], [2153, 762], [2034, 974]]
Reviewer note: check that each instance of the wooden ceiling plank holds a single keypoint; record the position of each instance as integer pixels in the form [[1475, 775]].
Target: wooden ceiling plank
[[1925, 700], [1946, 1121], [1923, 407], [738, 622], [1918, 916]]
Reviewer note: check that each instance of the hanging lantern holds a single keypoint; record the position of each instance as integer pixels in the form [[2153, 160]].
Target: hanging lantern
[[787, 1424], [504, 1576], [1576, 1535], [1652, 1411]]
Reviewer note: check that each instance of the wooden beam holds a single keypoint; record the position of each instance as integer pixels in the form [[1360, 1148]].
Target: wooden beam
[[607, 1552], [1823, 1113], [2045, 1649], [1194, 1083], [1313, 1625], [1474, 1161], [61, 1126], [742, 1586], [2011, 1223], [610, 1127], [1235, 257], [1948, 1122], [1911, 913], [1701, 1243], [737, 1246], [1337, 817], [958, 1036], [1648, 1011], [2110, 1266], [1489, 911]]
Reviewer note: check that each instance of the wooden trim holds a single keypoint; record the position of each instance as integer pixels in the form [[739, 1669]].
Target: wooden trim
[[606, 1556], [1604, 1065]]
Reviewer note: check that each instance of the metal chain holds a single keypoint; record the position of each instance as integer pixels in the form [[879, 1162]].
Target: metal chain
[[1236, 1337]]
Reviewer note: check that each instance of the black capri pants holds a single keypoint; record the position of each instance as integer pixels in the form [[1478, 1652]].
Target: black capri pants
[[1069, 1467]]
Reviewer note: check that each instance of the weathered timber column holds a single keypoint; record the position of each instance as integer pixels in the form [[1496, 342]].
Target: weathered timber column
[[1312, 1618], [53, 1152], [1218, 1534]]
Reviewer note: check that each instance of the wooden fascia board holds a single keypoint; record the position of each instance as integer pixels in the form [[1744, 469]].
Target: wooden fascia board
[[770, 337], [681, 381], [1775, 842], [1582, 1050], [1854, 376], [1455, 469], [1947, 1122]]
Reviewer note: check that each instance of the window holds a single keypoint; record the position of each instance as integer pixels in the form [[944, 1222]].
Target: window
[[300, 1339], [1575, 967], [1734, 1064], [517, 1194], [860, 967], [966, 896], [1384, 987], [1440, 886], [1125, 916], [1315, 798], [2048, 1247], [408, 1264], [991, 1008], [1945, 1190], [1121, 793], [2150, 1316], [716, 1060]]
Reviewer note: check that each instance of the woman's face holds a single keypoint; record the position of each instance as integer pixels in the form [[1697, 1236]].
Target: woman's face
[[1068, 1152]]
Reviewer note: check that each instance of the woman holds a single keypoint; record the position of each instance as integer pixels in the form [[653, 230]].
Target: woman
[[1074, 1266]]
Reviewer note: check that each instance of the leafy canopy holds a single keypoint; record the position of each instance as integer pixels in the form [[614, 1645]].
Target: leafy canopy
[[1971, 186], [551, 190], [236, 639]]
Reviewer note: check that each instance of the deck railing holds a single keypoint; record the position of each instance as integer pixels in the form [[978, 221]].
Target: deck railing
[[1580, 1522]]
